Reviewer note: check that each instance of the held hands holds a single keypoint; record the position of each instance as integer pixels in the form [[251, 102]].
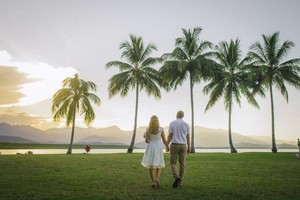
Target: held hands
[[167, 148]]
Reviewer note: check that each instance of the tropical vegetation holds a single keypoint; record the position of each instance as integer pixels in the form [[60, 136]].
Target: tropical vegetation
[[137, 73], [272, 70], [189, 60], [231, 80], [227, 73], [75, 97]]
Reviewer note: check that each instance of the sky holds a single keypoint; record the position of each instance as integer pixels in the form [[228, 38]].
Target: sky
[[43, 42]]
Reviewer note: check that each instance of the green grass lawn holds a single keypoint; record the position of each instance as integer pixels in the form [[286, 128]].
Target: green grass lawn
[[121, 176]]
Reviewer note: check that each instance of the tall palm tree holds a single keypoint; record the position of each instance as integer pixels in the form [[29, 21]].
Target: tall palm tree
[[189, 60], [136, 73], [231, 80], [74, 97], [272, 69]]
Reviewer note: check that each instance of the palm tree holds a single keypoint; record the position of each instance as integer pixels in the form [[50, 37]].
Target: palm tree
[[136, 74], [189, 60], [268, 60], [231, 80], [74, 97]]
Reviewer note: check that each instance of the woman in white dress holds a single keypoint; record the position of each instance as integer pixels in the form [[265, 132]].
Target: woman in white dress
[[153, 158]]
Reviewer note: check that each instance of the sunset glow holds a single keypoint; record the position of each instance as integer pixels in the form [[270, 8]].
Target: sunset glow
[[43, 79]]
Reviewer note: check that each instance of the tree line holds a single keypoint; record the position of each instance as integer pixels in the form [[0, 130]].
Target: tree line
[[228, 73]]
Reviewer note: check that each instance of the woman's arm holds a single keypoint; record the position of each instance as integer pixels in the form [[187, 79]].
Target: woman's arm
[[147, 140], [164, 140]]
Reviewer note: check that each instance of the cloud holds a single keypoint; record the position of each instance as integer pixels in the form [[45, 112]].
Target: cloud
[[28, 82], [10, 85]]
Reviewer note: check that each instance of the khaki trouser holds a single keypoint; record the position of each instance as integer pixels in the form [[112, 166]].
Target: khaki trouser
[[178, 151]]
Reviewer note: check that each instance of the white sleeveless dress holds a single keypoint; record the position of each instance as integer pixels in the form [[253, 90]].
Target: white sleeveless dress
[[153, 156]]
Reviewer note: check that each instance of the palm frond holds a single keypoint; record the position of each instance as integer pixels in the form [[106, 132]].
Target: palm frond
[[279, 83], [173, 73], [121, 65], [150, 62], [179, 54], [284, 49], [216, 90], [148, 51], [292, 63], [203, 46], [120, 83]]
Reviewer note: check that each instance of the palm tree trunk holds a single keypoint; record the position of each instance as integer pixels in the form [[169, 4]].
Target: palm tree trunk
[[274, 148], [72, 134], [232, 149], [192, 111], [130, 148]]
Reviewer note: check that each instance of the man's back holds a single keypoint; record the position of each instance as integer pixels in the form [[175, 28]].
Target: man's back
[[179, 130]]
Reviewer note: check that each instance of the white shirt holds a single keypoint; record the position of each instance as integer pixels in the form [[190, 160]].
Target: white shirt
[[179, 129]]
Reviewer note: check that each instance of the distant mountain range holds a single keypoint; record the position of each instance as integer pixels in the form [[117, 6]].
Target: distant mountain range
[[204, 137]]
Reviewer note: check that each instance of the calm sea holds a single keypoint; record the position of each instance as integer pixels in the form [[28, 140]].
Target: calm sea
[[110, 151]]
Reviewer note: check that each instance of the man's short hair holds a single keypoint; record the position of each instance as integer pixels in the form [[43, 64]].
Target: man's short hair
[[180, 114]]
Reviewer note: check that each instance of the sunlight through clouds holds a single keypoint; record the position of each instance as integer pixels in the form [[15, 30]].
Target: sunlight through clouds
[[45, 79]]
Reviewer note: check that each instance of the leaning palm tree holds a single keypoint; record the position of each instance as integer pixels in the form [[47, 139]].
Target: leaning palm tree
[[74, 97], [189, 60], [231, 80], [271, 69], [136, 74]]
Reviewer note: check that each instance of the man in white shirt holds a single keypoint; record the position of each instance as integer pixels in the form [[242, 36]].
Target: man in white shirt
[[179, 137]]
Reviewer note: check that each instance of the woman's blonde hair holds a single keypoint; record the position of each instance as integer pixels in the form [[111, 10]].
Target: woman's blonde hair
[[153, 125]]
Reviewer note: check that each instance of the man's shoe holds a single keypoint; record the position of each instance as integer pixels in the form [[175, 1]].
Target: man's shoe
[[157, 184], [176, 182]]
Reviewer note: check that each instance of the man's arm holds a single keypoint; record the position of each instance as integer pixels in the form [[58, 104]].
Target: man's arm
[[169, 138], [188, 143]]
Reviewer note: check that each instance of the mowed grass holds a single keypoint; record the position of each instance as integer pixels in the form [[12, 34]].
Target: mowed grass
[[121, 176]]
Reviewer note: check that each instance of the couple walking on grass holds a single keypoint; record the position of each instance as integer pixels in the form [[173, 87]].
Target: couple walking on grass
[[179, 137]]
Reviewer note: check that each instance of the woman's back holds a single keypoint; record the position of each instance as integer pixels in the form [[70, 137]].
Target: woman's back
[[156, 137]]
